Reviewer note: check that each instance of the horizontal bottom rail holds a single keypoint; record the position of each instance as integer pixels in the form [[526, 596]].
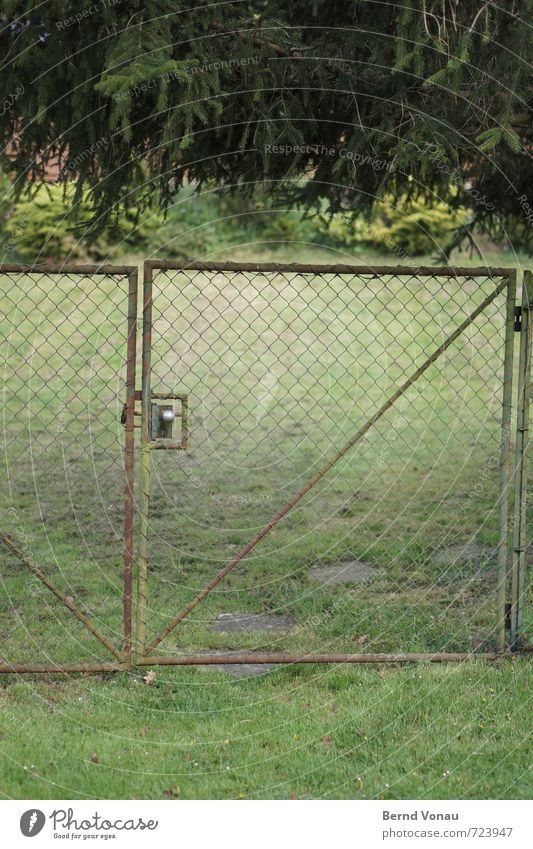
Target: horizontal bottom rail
[[39, 668], [217, 659], [243, 659]]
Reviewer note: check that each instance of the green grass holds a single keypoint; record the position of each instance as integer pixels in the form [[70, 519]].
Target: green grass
[[419, 732], [278, 378]]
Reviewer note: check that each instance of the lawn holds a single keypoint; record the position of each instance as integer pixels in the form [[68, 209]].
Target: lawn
[[418, 732], [280, 372]]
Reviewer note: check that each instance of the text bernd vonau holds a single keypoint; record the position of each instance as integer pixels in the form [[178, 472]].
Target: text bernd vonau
[[422, 815]]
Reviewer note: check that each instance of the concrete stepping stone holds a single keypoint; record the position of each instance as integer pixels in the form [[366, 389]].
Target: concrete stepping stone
[[345, 572], [471, 554], [274, 622], [238, 670]]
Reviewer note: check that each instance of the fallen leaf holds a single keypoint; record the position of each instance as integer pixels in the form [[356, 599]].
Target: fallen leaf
[[172, 792], [94, 758], [327, 740], [186, 756], [150, 677], [143, 732], [362, 639]]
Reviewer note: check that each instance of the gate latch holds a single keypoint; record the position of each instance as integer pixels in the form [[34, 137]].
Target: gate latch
[[518, 319], [162, 422]]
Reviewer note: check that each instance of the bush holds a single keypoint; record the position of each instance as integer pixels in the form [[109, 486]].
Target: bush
[[201, 224], [44, 227], [285, 225], [190, 228], [39, 229], [415, 230]]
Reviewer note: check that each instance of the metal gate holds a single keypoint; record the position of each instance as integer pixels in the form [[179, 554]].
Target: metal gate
[[341, 422], [67, 364], [325, 451]]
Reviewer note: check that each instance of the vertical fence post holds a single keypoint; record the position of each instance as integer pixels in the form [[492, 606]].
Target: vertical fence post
[[522, 438], [129, 462], [505, 450], [144, 497]]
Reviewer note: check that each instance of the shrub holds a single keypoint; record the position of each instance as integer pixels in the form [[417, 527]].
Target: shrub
[[412, 231], [190, 228], [201, 224], [39, 227], [44, 227]]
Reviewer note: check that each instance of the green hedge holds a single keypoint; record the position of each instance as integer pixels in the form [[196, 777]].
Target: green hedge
[[412, 231], [46, 226], [43, 227]]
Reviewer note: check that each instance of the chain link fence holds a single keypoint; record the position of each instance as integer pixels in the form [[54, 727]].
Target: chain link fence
[[64, 368], [347, 462], [328, 468]]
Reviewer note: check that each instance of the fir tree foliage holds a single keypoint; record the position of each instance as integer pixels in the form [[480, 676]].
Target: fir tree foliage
[[347, 101]]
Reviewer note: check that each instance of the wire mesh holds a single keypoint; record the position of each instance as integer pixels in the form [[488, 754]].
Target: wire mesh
[[63, 367], [395, 549]]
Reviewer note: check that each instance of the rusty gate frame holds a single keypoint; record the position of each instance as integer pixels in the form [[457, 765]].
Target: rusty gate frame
[[511, 561], [510, 568], [122, 655]]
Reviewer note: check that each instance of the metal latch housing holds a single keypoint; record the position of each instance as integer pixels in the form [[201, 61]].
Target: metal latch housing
[[161, 426]]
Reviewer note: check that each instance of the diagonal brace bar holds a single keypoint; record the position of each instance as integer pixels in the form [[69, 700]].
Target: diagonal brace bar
[[62, 597], [326, 468]]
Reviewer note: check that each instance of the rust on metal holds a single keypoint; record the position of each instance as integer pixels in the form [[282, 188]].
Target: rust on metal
[[144, 481], [129, 460], [518, 562], [325, 469], [91, 271], [184, 423], [244, 659], [176, 396], [358, 270], [35, 570], [135, 650], [260, 659], [61, 668], [505, 451], [43, 268]]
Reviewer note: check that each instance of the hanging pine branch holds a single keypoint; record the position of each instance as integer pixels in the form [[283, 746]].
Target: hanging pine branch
[[417, 100]]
